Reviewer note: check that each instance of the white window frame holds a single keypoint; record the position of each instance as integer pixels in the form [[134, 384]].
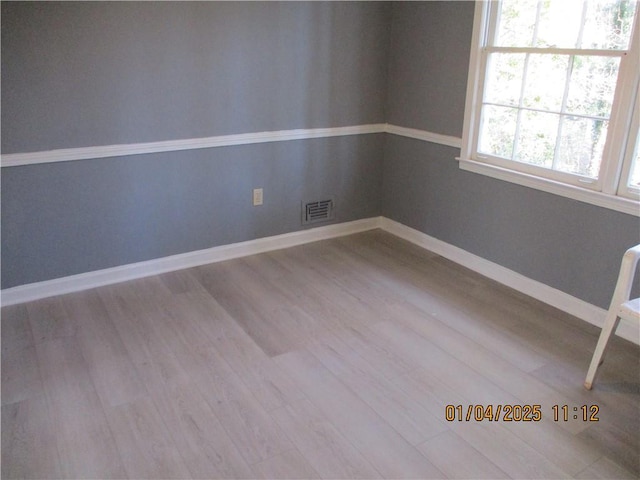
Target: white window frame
[[631, 150], [610, 190]]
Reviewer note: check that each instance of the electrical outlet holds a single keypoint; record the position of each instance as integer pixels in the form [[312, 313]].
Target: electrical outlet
[[257, 196]]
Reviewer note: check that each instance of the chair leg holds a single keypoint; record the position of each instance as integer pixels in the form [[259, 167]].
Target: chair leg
[[610, 325]]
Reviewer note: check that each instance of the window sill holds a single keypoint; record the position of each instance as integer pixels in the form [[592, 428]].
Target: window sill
[[612, 202]]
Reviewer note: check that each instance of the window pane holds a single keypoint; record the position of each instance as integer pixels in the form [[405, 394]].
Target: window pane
[[497, 131], [634, 175], [635, 172], [593, 84], [547, 77], [608, 24], [517, 20], [559, 24], [537, 138], [581, 144], [546, 80], [504, 78]]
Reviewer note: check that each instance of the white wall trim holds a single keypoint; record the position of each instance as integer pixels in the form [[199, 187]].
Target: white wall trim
[[612, 202], [425, 136], [540, 291], [549, 295], [105, 151], [108, 276]]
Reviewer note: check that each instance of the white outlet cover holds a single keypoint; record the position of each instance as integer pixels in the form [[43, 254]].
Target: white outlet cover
[[257, 196]]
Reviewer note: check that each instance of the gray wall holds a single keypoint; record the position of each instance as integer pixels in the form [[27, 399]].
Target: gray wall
[[569, 245], [428, 63], [85, 74], [78, 74], [66, 218]]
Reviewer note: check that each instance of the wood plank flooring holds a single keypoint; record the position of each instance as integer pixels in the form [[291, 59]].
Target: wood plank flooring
[[334, 359]]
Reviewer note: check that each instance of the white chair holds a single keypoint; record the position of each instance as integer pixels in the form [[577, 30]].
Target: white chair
[[621, 307]]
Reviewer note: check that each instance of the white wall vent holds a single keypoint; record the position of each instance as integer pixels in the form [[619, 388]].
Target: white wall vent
[[317, 211]]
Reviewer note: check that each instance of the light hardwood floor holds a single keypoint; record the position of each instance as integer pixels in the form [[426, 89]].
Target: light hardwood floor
[[330, 360]]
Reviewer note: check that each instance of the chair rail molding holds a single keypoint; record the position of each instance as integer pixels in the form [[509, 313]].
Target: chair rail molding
[[105, 151], [121, 150]]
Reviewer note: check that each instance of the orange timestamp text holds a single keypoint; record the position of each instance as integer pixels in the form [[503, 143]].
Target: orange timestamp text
[[493, 413]]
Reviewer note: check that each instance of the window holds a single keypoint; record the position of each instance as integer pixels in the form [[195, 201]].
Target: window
[[552, 100]]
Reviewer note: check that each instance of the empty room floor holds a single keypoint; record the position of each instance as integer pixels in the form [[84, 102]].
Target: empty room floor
[[358, 357]]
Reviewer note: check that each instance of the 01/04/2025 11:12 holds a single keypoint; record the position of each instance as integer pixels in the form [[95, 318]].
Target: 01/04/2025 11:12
[[519, 413]]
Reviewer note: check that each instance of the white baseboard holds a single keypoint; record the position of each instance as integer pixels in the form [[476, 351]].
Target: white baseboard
[[108, 276], [549, 295]]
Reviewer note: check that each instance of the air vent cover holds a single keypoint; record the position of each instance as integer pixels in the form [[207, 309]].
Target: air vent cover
[[318, 211]]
